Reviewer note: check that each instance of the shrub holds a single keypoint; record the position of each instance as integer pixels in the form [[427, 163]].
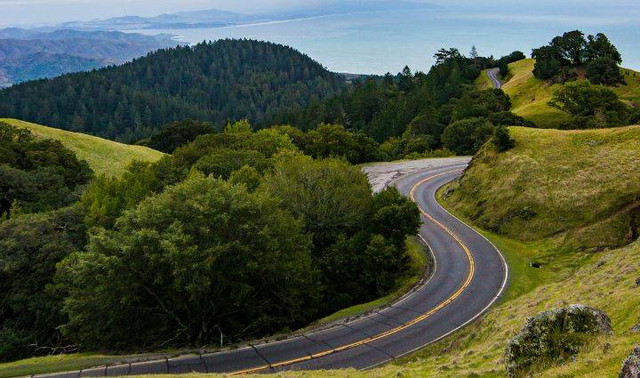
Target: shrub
[[509, 119], [589, 104], [502, 140], [467, 136], [604, 71]]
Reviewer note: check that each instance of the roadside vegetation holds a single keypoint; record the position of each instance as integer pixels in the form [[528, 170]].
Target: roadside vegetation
[[275, 237], [578, 187], [545, 273], [561, 250]]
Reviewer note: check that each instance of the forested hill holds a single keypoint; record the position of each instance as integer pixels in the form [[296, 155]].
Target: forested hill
[[214, 81]]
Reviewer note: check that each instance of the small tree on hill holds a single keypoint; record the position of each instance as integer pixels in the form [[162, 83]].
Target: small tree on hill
[[558, 59], [502, 139], [547, 64], [592, 106], [572, 46], [604, 71], [599, 46]]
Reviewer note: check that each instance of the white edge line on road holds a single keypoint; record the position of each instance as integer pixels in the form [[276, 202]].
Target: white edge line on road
[[495, 298]]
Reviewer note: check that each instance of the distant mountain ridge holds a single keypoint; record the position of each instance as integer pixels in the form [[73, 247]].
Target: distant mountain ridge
[[29, 54], [216, 82], [212, 18]]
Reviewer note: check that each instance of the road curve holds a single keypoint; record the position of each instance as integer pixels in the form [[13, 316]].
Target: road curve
[[469, 277], [493, 75]]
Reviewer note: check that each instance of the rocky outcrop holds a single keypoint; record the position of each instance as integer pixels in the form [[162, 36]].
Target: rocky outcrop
[[631, 366], [553, 337]]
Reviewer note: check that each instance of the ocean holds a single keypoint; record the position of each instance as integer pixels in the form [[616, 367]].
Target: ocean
[[380, 42]]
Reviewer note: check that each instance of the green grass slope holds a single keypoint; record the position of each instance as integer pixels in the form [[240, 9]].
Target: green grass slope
[[483, 81], [104, 156], [529, 96], [578, 186]]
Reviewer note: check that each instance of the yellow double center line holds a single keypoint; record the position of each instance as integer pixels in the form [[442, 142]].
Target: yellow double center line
[[441, 305]]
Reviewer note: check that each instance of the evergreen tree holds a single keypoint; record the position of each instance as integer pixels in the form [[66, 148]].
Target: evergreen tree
[[502, 139]]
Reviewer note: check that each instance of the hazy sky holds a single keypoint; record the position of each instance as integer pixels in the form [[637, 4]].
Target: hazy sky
[[21, 12], [53, 11]]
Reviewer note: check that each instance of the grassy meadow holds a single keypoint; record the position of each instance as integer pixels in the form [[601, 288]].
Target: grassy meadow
[[105, 157], [578, 186], [530, 96]]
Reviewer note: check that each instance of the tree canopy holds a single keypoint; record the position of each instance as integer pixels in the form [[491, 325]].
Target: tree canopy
[[572, 49], [202, 257], [37, 174], [591, 106]]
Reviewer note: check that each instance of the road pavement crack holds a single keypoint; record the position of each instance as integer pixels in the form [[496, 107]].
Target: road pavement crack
[[389, 317], [357, 330], [380, 321], [380, 350], [261, 355], [406, 309], [318, 342]]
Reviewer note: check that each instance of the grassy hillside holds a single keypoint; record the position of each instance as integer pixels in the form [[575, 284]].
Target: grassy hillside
[[104, 156], [484, 81], [553, 187], [530, 96], [579, 186]]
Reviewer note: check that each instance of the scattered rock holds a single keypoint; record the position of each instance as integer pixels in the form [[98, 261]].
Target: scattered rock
[[631, 366], [636, 328], [638, 282], [554, 337]]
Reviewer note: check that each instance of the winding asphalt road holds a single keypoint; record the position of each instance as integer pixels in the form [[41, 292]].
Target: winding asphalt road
[[493, 75], [469, 277]]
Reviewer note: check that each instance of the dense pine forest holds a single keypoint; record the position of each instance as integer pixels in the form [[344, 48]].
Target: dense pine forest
[[214, 81]]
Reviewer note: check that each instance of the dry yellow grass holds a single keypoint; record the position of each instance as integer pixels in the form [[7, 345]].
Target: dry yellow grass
[[104, 156]]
